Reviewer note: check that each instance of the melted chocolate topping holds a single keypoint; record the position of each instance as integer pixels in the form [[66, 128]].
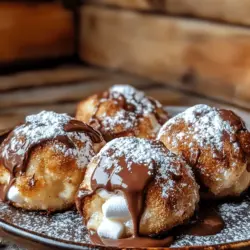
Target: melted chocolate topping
[[78, 126], [131, 187], [120, 176], [133, 191], [4, 134], [122, 101], [17, 146]]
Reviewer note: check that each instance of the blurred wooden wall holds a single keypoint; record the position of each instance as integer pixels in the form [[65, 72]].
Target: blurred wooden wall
[[202, 46], [35, 30]]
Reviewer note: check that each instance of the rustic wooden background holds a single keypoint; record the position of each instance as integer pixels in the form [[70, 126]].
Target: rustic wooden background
[[182, 52], [35, 31], [60, 88], [198, 46]]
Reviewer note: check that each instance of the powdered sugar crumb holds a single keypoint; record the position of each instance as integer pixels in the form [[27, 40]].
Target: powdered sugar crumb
[[120, 118]]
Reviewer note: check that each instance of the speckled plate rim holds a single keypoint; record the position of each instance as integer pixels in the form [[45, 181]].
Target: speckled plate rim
[[54, 242]]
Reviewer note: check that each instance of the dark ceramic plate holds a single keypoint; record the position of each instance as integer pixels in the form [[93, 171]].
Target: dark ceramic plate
[[65, 230]]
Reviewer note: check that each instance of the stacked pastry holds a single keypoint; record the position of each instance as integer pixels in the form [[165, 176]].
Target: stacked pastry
[[146, 180]]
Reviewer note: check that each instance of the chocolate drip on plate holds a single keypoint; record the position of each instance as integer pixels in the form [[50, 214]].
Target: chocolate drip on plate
[[133, 242], [127, 181], [207, 222]]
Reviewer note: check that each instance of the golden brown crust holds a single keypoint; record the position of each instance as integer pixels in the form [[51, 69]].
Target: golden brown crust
[[216, 144], [48, 173], [122, 111], [170, 199], [43, 161]]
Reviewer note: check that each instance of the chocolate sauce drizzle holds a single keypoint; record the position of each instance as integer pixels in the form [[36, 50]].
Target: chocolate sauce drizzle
[[124, 104], [16, 148], [126, 180], [134, 192]]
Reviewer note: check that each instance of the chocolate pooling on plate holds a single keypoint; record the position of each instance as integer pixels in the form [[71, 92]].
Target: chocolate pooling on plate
[[130, 165], [37, 129]]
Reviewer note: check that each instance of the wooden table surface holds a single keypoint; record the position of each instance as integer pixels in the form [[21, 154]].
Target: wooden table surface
[[60, 89]]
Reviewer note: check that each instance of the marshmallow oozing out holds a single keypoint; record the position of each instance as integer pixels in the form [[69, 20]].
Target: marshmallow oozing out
[[115, 216], [132, 165], [14, 195], [110, 229], [116, 208]]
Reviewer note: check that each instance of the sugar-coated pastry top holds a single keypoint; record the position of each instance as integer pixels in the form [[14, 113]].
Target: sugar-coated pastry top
[[121, 111], [208, 126], [135, 104], [43, 161], [213, 140], [46, 126], [144, 170], [123, 159]]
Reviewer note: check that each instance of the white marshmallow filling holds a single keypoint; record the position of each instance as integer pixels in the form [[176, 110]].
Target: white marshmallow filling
[[115, 216], [14, 195]]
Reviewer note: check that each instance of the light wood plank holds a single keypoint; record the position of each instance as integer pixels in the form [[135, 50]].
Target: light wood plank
[[209, 59], [67, 74], [10, 116], [17, 104], [170, 98], [67, 92], [231, 11], [57, 76], [68, 107], [35, 31]]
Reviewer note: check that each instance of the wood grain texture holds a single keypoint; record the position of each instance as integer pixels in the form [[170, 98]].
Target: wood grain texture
[[66, 84], [35, 31], [208, 59], [15, 104], [230, 11], [11, 116], [47, 77]]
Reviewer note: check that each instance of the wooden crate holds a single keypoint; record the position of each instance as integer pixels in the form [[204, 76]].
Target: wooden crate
[[35, 30], [208, 58]]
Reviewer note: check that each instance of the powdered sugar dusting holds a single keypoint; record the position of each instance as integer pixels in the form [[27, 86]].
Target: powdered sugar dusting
[[120, 118], [125, 118], [236, 216], [68, 226], [45, 126], [144, 152], [205, 126], [135, 97]]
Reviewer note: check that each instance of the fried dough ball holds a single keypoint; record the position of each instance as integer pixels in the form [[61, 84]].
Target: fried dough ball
[[43, 161], [122, 111], [169, 196], [216, 143]]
